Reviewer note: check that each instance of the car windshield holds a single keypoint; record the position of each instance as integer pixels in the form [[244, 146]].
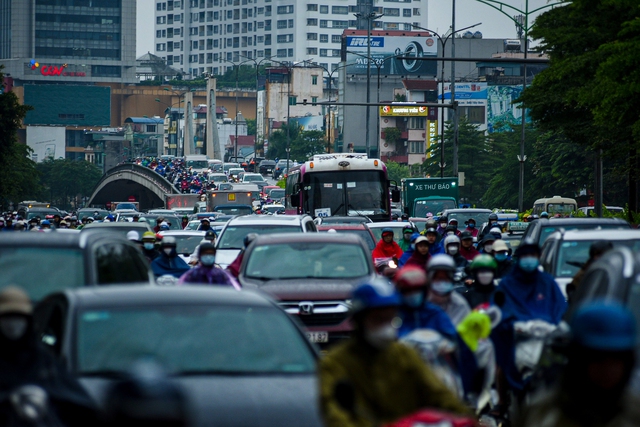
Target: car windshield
[[86, 214], [273, 208], [423, 207], [235, 171], [41, 270], [560, 208], [276, 193], [320, 260], [549, 229], [173, 221], [573, 254], [121, 206], [397, 233], [233, 236], [252, 178], [462, 217], [218, 178], [186, 245], [192, 340]]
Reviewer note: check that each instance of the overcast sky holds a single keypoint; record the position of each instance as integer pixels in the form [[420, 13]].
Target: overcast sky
[[468, 12]]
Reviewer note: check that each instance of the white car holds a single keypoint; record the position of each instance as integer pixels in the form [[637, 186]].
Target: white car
[[186, 241]]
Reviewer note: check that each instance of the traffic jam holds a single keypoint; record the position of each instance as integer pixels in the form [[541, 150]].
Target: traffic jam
[[315, 294]]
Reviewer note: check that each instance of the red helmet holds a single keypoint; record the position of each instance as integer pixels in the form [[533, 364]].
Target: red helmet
[[409, 278]]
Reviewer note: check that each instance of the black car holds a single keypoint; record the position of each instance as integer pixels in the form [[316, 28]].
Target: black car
[[542, 228], [240, 360], [267, 167], [45, 262]]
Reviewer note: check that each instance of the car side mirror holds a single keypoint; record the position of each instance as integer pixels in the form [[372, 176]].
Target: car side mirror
[[294, 199], [395, 195]]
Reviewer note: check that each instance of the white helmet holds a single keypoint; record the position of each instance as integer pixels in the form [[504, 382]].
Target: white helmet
[[451, 239], [441, 262]]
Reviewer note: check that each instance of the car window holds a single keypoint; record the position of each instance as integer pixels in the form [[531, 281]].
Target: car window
[[116, 263], [397, 232], [192, 340], [365, 235], [307, 260], [186, 245], [233, 236], [549, 229], [571, 256], [462, 217], [310, 226], [41, 270]]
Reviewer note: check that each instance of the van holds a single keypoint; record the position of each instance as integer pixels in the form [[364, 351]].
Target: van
[[197, 162], [555, 205]]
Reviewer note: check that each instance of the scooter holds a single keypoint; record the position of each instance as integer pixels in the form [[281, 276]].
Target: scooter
[[29, 405]]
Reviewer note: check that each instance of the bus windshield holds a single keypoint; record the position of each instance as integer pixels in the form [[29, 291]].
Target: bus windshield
[[351, 193], [198, 164]]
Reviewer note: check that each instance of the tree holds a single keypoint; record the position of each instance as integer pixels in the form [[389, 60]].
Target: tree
[[474, 159], [303, 144], [392, 135], [18, 176], [397, 171], [65, 179], [251, 126]]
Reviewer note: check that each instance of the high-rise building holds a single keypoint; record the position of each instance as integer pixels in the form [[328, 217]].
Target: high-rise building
[[76, 41], [209, 36]]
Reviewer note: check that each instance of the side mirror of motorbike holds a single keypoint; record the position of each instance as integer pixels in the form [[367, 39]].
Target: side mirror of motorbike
[[345, 395]]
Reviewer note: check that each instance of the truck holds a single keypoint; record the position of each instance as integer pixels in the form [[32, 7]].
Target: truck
[[429, 195], [219, 198], [118, 206], [174, 201]]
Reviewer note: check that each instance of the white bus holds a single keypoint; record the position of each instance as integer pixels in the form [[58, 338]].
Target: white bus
[[555, 205]]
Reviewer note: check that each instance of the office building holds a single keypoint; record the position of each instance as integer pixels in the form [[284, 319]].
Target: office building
[[209, 36]]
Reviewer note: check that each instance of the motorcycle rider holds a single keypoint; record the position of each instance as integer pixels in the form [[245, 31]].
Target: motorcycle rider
[[467, 250], [435, 247], [149, 246], [493, 222], [600, 363], [486, 245], [420, 256], [525, 293], [387, 247], [206, 272], [234, 267], [405, 242], [412, 248], [452, 248], [596, 250], [483, 271], [210, 236], [500, 252], [442, 225], [370, 379], [24, 360], [441, 270], [471, 227], [169, 263], [185, 222]]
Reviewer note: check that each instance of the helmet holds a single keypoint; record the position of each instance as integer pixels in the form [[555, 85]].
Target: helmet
[[210, 235], [450, 240], [409, 278], [407, 229], [604, 326], [414, 237], [133, 235], [421, 239], [451, 228], [544, 215], [15, 300], [527, 247], [441, 262], [169, 241], [149, 236], [431, 223], [431, 230], [164, 226], [443, 219], [493, 217], [45, 222], [206, 247], [452, 220], [599, 247], [387, 230], [483, 261], [374, 295], [500, 245], [249, 238], [466, 235]]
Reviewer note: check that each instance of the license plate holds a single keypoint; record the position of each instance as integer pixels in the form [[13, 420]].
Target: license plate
[[318, 336], [268, 170]]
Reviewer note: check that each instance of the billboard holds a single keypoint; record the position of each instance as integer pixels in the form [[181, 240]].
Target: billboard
[[68, 105], [385, 49], [501, 111], [310, 122], [47, 142], [403, 110]]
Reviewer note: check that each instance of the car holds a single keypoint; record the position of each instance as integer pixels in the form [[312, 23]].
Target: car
[[42, 263], [230, 241], [229, 165], [358, 229], [274, 208], [281, 167], [252, 177], [182, 211], [275, 193], [91, 212], [234, 209], [173, 221], [564, 252], [218, 178], [125, 216], [186, 241], [233, 172], [514, 231], [343, 220], [125, 206], [41, 212], [540, 229], [169, 212], [237, 357], [267, 188], [267, 167], [119, 228], [312, 275], [590, 210], [463, 215], [193, 224], [377, 227]]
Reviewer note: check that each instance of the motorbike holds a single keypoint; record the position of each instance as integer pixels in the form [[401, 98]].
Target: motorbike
[[386, 266], [29, 405], [530, 340]]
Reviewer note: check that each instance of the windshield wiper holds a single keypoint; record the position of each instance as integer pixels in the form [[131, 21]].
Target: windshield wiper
[[262, 278]]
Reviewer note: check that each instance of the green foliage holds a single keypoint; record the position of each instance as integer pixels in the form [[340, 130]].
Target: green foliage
[[281, 183], [251, 126], [303, 144], [65, 179], [397, 171], [391, 135], [18, 177]]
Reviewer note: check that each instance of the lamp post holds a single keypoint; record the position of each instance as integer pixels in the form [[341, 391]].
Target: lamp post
[[257, 66], [236, 66], [443, 43]]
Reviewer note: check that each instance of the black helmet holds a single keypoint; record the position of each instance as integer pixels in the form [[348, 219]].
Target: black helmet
[[206, 247], [599, 247], [210, 235], [249, 238], [493, 217]]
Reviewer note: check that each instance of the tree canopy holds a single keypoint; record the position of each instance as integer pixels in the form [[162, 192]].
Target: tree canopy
[[64, 179], [303, 144]]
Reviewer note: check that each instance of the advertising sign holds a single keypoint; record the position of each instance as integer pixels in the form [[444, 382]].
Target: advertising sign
[[393, 110], [466, 91], [47, 142], [385, 49], [501, 111], [310, 122]]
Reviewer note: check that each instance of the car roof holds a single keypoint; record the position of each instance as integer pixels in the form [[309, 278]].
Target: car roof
[[182, 232], [122, 296], [342, 238], [572, 221], [391, 224], [599, 234], [352, 226], [51, 239], [126, 224], [266, 220]]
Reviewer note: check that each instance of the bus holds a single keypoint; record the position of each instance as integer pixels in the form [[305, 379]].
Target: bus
[[342, 184], [555, 205]]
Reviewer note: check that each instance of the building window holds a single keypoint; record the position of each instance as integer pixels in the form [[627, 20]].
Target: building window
[[336, 38], [290, 22], [312, 36], [282, 10], [388, 11], [324, 38], [312, 51], [416, 11], [406, 13], [324, 23], [340, 10], [416, 147], [324, 9], [314, 99], [282, 53], [323, 52], [314, 80], [312, 8], [335, 53], [293, 100], [290, 53], [340, 24], [475, 115], [312, 22], [417, 122], [282, 24]]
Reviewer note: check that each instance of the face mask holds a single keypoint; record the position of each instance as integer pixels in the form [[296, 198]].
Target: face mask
[[171, 252], [453, 249], [442, 287], [149, 246], [443, 225], [13, 327], [500, 256], [528, 264], [488, 248], [208, 260], [413, 300], [381, 338], [485, 277], [471, 225]]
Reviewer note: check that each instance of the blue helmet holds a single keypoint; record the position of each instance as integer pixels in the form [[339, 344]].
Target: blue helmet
[[387, 230], [414, 236], [45, 222], [604, 326], [544, 215], [374, 295]]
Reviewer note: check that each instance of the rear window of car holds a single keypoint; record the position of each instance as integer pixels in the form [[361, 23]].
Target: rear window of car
[[550, 229], [41, 270], [572, 254], [192, 340], [233, 236]]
